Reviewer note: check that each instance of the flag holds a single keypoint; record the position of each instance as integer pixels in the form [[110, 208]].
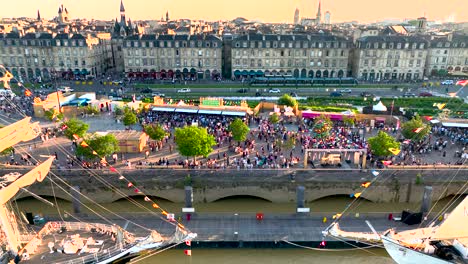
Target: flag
[[417, 130], [27, 92], [375, 173], [129, 184], [147, 199], [37, 100], [64, 127], [164, 213], [188, 252], [407, 141], [428, 118], [112, 169], [462, 82], [84, 144], [365, 184], [136, 190], [181, 225], [357, 195], [188, 243], [336, 216], [452, 94], [155, 206], [441, 106], [394, 151], [386, 162], [75, 136], [121, 178], [94, 153]]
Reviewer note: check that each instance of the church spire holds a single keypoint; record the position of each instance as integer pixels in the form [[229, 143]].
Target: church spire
[[319, 12], [122, 8], [38, 15]]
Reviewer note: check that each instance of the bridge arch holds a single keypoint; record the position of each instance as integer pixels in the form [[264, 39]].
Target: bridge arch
[[234, 196]]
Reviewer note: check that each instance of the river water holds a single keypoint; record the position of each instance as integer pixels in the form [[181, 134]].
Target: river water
[[248, 205]]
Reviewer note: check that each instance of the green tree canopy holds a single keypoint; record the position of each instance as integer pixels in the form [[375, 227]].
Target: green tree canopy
[[51, 115], [103, 145], [194, 141], [381, 144], [75, 126], [274, 118], [411, 129], [239, 130], [322, 126], [288, 100], [129, 117], [155, 131]]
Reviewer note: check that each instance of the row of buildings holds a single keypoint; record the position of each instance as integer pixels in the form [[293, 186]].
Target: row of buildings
[[68, 48], [207, 56]]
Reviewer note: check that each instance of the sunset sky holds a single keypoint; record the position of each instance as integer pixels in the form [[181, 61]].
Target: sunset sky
[[263, 10]]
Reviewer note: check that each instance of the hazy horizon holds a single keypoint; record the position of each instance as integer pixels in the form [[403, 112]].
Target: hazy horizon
[[364, 11]]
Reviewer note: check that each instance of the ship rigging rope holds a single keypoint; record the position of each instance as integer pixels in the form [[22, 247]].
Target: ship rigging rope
[[55, 199], [452, 200], [155, 253], [112, 187], [91, 200]]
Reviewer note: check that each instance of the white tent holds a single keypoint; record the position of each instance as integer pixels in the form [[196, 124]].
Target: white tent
[[379, 107]]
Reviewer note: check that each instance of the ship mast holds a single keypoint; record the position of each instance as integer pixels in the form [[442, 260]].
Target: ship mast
[[6, 193]]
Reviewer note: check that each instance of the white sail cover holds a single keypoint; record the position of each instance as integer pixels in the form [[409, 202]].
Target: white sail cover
[[37, 174], [455, 224], [20, 131]]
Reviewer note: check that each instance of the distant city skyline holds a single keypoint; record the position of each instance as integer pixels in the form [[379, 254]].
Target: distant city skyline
[[364, 11]]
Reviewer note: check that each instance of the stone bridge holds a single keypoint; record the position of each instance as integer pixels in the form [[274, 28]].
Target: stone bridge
[[273, 185]]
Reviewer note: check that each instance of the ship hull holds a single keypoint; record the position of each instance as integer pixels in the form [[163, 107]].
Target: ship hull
[[404, 255]]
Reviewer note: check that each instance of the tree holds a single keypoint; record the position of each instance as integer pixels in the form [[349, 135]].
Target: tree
[[381, 144], [349, 121], [415, 129], [155, 132], [288, 100], [129, 117], [322, 126], [239, 130], [274, 118], [52, 115], [6, 151], [103, 145], [75, 126], [194, 141]]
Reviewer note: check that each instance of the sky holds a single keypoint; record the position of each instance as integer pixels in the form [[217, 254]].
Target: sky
[[365, 11]]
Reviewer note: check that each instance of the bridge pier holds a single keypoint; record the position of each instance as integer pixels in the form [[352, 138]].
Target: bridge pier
[[75, 195], [426, 200], [188, 208], [300, 190]]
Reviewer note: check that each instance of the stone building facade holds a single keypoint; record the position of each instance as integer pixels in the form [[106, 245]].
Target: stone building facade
[[44, 55], [172, 56], [300, 56], [389, 58], [449, 54]]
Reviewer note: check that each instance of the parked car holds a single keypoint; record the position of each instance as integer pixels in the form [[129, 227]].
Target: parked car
[[293, 94], [184, 90], [274, 90], [147, 90], [447, 82], [243, 90], [335, 94], [425, 94], [408, 94], [158, 94], [66, 89], [345, 91], [366, 94]]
